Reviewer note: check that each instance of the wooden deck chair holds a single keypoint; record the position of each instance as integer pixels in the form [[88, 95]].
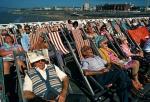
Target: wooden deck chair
[[112, 32], [3, 96], [55, 39], [129, 22], [20, 80], [118, 34], [57, 49], [94, 93], [34, 36], [124, 27], [117, 28], [79, 41], [93, 41], [68, 34]]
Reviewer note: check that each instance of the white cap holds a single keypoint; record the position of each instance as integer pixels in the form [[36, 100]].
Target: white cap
[[33, 57]]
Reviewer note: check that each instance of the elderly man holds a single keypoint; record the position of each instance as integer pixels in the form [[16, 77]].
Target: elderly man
[[106, 76], [45, 82]]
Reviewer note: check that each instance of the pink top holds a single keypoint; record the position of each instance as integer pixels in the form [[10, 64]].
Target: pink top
[[126, 50], [112, 56]]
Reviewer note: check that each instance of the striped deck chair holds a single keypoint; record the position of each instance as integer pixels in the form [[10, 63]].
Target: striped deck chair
[[129, 22], [117, 29], [124, 26], [34, 36], [79, 41], [114, 35], [55, 39]]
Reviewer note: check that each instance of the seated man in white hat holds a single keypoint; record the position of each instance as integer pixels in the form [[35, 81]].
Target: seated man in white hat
[[44, 82]]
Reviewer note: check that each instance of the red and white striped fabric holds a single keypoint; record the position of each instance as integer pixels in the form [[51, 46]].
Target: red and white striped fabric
[[34, 36], [77, 35], [57, 42]]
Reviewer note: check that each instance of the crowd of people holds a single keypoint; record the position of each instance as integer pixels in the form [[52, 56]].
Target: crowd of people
[[45, 82]]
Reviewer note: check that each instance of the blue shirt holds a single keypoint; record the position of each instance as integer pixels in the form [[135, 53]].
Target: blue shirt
[[25, 42], [93, 63]]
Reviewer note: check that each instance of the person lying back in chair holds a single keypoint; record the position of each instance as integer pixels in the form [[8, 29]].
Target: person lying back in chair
[[45, 82], [126, 49], [107, 76], [111, 57], [6, 52]]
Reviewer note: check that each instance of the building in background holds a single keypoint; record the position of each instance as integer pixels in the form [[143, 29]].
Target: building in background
[[86, 5], [114, 7]]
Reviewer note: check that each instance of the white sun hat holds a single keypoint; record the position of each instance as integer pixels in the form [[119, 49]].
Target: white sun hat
[[33, 57]]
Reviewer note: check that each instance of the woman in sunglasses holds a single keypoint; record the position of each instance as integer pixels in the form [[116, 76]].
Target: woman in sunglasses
[[111, 57]]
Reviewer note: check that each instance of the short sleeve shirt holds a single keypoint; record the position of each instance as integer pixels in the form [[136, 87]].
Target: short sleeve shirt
[[7, 47], [93, 63], [28, 83]]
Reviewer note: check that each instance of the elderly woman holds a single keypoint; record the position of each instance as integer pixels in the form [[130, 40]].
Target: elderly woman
[[90, 31], [126, 49], [6, 51], [111, 57]]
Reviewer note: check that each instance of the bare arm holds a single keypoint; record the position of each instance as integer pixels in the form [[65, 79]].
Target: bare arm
[[28, 95], [5, 53], [31, 97], [90, 72], [64, 91]]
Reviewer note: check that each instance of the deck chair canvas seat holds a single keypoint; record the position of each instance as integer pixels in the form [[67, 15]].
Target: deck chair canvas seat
[[139, 34], [79, 41], [57, 42]]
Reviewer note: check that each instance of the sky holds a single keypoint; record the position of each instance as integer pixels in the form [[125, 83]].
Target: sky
[[68, 3]]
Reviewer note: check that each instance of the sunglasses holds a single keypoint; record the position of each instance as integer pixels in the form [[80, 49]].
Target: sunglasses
[[105, 42], [27, 29], [42, 60]]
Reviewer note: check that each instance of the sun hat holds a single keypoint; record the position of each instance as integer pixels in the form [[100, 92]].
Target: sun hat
[[34, 57], [99, 39]]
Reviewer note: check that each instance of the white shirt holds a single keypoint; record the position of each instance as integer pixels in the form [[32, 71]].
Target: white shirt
[[28, 83], [93, 63]]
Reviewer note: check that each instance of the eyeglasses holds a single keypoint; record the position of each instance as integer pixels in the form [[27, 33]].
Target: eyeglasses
[[42, 60], [105, 42], [27, 29]]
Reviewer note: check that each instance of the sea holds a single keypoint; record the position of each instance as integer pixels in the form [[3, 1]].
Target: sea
[[6, 17]]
